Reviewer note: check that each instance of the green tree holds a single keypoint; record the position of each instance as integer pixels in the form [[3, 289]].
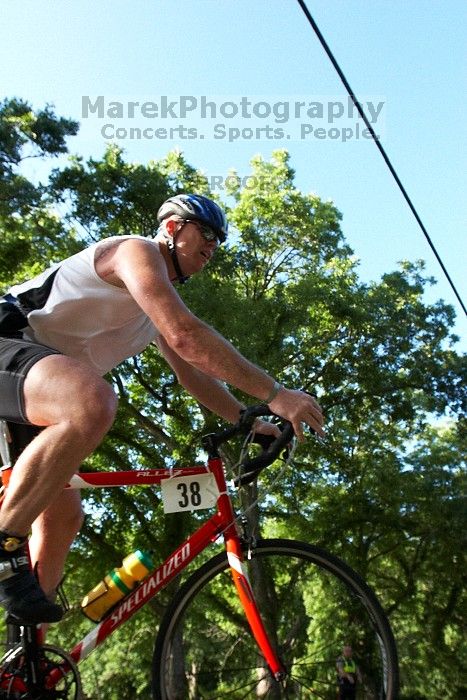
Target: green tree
[[30, 232]]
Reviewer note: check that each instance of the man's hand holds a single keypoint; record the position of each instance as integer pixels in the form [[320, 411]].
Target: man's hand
[[263, 427], [298, 407]]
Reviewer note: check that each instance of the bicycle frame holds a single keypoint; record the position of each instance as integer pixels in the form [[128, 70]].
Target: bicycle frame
[[221, 523]]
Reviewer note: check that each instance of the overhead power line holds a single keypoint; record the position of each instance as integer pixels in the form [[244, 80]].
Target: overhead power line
[[380, 147]]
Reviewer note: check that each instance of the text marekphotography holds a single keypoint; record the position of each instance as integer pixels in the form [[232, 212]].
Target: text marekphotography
[[233, 119]]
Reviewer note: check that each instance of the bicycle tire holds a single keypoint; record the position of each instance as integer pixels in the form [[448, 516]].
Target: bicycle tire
[[311, 602]]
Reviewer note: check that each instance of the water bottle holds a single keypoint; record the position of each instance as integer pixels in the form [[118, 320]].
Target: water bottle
[[116, 585]]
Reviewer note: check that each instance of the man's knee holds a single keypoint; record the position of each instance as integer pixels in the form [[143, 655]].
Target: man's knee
[[59, 389], [90, 413], [98, 405]]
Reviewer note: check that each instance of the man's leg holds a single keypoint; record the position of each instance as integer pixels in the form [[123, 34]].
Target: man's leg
[[65, 515], [48, 552], [347, 692], [76, 407]]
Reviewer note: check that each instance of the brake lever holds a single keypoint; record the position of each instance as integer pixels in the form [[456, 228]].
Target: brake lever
[[252, 467]]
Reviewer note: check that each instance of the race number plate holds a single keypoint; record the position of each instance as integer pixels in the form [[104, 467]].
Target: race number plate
[[186, 493]]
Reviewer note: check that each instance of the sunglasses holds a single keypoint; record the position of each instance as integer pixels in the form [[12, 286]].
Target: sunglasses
[[207, 233]]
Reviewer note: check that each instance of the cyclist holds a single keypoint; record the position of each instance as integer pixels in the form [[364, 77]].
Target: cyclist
[[348, 674], [61, 332]]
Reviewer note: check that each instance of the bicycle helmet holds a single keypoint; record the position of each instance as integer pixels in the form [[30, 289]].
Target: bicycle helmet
[[198, 207]]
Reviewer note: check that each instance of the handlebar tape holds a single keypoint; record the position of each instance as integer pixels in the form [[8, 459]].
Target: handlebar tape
[[250, 468]]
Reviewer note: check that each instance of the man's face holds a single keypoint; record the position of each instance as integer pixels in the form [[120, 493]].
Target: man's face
[[193, 250], [347, 651]]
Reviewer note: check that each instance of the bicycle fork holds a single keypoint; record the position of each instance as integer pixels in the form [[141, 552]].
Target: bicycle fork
[[240, 575], [241, 579]]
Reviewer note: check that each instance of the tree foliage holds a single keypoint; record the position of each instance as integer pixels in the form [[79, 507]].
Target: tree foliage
[[385, 492], [30, 230]]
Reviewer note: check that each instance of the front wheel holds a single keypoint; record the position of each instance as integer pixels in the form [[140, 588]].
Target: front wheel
[[311, 604]]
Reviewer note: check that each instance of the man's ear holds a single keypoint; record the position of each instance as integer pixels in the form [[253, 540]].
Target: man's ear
[[170, 226]]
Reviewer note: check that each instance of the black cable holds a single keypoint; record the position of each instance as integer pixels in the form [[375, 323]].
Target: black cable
[[381, 149]]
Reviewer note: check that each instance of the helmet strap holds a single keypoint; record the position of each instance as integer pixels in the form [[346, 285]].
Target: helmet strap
[[171, 240]]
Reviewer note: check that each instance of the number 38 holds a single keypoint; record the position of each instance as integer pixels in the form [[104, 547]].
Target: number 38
[[190, 494]]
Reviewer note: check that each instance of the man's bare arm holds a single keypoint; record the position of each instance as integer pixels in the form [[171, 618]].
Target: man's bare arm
[[142, 269], [207, 390]]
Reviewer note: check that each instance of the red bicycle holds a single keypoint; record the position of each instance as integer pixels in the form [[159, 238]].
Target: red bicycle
[[273, 638]]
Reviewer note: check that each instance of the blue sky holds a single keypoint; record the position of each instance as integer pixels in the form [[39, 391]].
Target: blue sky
[[410, 56]]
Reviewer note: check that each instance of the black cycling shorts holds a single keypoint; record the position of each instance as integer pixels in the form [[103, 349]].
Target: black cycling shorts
[[17, 356]]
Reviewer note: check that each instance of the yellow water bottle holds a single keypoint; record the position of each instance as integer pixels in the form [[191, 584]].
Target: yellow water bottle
[[116, 585]]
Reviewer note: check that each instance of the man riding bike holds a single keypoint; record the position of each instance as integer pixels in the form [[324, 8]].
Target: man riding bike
[[61, 332]]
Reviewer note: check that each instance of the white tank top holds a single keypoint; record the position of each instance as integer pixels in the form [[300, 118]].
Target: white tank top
[[71, 309]]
